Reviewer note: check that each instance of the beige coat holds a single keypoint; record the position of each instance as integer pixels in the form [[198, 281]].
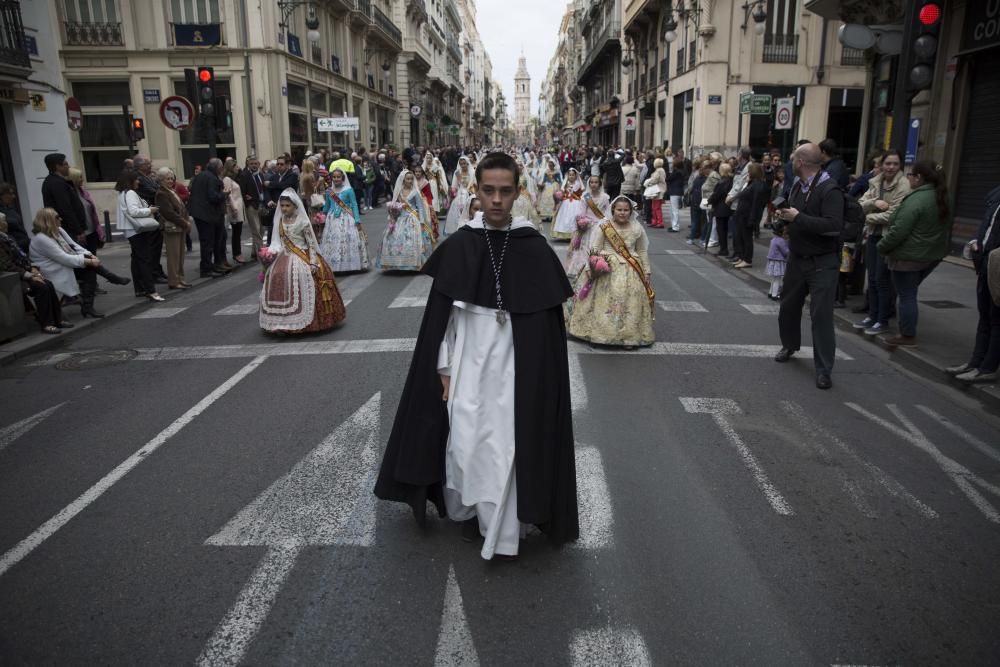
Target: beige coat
[[891, 192]]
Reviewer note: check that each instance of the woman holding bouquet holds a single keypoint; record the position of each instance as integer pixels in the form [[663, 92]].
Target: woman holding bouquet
[[408, 240], [569, 208], [345, 245], [300, 294], [596, 208], [463, 184], [550, 182], [615, 299]]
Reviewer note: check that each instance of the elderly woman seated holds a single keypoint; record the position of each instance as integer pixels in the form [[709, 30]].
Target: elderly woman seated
[[48, 312], [70, 267]]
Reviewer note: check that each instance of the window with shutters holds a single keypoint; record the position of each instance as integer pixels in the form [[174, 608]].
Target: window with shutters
[[92, 23], [195, 11], [781, 35]]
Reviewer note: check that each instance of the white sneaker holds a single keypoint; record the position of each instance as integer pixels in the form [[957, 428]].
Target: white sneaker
[[690, 242], [876, 329], [959, 369], [713, 244], [976, 375]]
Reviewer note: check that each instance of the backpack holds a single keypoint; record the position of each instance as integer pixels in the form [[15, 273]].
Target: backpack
[[854, 219]]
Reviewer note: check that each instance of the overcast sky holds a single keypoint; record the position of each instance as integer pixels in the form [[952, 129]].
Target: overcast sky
[[507, 26]]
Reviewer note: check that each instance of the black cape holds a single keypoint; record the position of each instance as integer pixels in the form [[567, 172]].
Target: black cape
[[534, 286]]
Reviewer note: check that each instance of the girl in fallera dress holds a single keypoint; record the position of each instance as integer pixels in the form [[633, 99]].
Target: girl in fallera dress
[[549, 182], [427, 189], [408, 240], [345, 244], [569, 208], [463, 185], [299, 294], [524, 206], [615, 307], [596, 207]]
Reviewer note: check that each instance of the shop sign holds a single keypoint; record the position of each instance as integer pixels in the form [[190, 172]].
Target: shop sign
[[629, 122], [981, 29], [343, 124], [38, 102], [715, 99], [755, 104]]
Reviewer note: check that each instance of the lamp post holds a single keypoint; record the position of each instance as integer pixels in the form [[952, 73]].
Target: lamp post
[[755, 10], [286, 7]]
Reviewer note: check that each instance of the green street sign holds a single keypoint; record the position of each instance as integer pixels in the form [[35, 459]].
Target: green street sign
[[755, 104]]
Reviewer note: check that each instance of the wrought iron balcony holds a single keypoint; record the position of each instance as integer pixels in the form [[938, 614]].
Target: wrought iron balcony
[[609, 37], [389, 32], [853, 57], [13, 49], [453, 48], [781, 48], [79, 33], [418, 8]]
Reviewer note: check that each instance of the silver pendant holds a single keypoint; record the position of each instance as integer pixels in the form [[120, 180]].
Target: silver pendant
[[501, 317]]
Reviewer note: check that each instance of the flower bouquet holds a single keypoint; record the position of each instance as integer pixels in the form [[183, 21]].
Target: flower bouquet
[[599, 266], [394, 208], [557, 196], [319, 219], [583, 223], [266, 256], [453, 192]]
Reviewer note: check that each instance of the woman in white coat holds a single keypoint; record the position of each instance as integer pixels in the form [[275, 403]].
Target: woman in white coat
[[66, 264]]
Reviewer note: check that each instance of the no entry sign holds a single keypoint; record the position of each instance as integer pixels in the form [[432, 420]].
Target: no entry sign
[[74, 115], [176, 112]]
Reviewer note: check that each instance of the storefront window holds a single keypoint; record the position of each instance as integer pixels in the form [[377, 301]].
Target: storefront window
[[103, 137], [296, 95]]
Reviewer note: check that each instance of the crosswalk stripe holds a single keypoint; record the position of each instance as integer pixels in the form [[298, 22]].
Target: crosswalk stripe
[[415, 294], [762, 308], [239, 309], [158, 313], [609, 646], [681, 306], [593, 500]]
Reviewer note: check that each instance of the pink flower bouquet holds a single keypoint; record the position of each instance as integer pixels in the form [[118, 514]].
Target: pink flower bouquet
[[599, 264], [557, 195], [453, 192], [266, 256], [394, 208], [583, 223]]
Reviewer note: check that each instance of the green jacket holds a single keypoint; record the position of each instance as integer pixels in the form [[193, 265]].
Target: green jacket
[[915, 234]]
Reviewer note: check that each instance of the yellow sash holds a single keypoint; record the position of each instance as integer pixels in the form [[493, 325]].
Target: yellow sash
[[593, 208], [618, 244]]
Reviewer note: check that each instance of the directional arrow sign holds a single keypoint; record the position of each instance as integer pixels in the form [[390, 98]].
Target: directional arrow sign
[[9, 434], [324, 500]]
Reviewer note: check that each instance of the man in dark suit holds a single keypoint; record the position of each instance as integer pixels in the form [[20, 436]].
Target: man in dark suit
[[252, 186], [207, 206], [280, 180], [58, 194]]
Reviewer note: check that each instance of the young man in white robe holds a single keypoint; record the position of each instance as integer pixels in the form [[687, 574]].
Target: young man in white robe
[[484, 426]]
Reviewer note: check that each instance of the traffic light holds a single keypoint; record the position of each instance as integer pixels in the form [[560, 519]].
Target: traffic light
[[138, 128], [206, 91], [223, 113], [925, 28]]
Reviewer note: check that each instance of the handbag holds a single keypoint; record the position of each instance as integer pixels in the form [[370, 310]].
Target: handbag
[[145, 224], [651, 192], [316, 201], [704, 204]]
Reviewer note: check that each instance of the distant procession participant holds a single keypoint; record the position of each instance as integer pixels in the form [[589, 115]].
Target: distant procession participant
[[344, 245], [426, 188], [615, 306], [408, 240], [484, 426], [299, 294], [569, 208], [524, 206], [549, 181], [596, 207], [463, 185]]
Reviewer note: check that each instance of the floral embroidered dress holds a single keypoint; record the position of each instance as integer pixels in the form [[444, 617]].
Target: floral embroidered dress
[[570, 207], [345, 244], [549, 183], [617, 310], [293, 298], [408, 240], [463, 185], [595, 208]]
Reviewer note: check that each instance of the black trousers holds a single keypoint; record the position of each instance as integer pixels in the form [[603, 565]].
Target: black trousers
[[48, 310], [211, 243], [735, 225], [745, 230], [986, 355], [722, 232], [817, 278], [143, 262], [613, 190], [237, 237], [156, 253]]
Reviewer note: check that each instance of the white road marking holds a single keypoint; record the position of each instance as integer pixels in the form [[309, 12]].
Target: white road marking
[[325, 499], [959, 474], [158, 313], [353, 285], [49, 528], [814, 431], [593, 500], [239, 309], [762, 308], [678, 252], [233, 637], [961, 433], [415, 294], [577, 385], [609, 646], [697, 350], [720, 409], [681, 306], [9, 434], [455, 647]]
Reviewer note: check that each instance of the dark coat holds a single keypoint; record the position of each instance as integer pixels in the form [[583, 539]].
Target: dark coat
[[280, 183], [59, 193], [676, 182], [15, 227], [837, 169], [987, 245], [208, 201], [534, 288], [248, 186], [720, 209], [752, 202], [147, 187], [611, 170], [817, 228]]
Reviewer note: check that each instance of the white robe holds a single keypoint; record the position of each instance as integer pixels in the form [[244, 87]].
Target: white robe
[[478, 354]]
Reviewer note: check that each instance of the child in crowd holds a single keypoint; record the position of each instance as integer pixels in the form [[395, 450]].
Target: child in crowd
[[777, 258]]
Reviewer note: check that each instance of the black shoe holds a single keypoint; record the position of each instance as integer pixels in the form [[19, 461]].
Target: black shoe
[[783, 355], [101, 291], [212, 274], [161, 281], [221, 269], [823, 381]]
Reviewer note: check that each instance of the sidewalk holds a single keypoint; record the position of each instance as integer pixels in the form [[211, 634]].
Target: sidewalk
[[946, 330], [119, 299]]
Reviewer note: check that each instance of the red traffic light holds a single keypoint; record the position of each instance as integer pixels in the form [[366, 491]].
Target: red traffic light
[[137, 123], [929, 14], [204, 75]]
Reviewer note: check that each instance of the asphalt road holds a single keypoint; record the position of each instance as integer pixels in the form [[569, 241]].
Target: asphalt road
[[178, 487]]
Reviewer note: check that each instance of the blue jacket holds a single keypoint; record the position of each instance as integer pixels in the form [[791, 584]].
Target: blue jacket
[[348, 197]]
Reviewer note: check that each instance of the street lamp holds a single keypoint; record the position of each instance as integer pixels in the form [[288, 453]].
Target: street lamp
[[286, 7], [759, 15], [370, 53], [670, 23]]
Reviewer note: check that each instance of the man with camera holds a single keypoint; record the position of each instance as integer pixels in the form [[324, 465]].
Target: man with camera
[[814, 214]]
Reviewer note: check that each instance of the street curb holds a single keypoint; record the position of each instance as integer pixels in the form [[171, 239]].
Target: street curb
[[911, 359], [85, 326]]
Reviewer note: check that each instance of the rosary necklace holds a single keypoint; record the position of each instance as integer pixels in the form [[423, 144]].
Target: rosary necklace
[[501, 312]]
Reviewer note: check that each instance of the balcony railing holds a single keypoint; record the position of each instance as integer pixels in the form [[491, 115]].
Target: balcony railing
[[853, 57], [781, 48], [453, 47], [681, 62], [610, 34], [385, 24], [13, 50], [80, 33]]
